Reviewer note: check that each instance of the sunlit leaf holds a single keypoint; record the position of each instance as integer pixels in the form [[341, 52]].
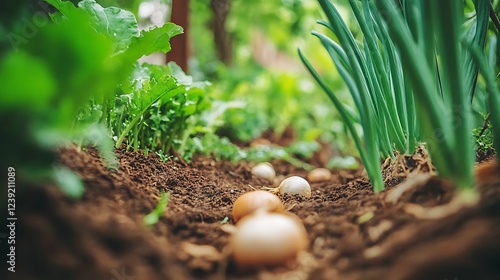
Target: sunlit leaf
[[118, 24]]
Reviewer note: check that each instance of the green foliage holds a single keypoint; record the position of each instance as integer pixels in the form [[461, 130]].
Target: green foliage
[[285, 23], [274, 102], [156, 39], [153, 217], [273, 99], [130, 5], [372, 73], [483, 138], [221, 148], [163, 157], [348, 162], [58, 84], [113, 22], [44, 82], [403, 79], [153, 107], [210, 144], [448, 92], [492, 88]]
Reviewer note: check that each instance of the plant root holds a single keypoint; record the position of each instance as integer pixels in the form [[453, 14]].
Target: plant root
[[405, 165], [275, 191]]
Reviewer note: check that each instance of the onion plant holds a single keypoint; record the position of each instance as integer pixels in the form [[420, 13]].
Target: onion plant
[[412, 77]]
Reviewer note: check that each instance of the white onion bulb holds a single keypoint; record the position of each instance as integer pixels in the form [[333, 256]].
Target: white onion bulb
[[293, 185], [267, 239], [264, 170]]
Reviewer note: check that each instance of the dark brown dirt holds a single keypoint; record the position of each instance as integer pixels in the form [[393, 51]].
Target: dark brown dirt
[[353, 233]]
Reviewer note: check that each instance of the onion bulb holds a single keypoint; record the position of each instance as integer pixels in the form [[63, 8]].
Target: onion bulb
[[319, 175], [264, 170], [267, 239], [255, 200], [293, 185]]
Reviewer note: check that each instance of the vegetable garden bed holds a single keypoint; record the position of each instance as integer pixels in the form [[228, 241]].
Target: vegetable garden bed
[[119, 169], [353, 233]]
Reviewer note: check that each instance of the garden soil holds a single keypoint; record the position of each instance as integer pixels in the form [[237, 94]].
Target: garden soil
[[353, 232]]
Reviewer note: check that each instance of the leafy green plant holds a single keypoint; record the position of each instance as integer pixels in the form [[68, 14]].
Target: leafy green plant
[[483, 138], [75, 63], [153, 107], [162, 156], [404, 76], [150, 109]]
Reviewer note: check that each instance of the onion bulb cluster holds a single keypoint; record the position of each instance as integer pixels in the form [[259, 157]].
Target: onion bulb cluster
[[265, 235]]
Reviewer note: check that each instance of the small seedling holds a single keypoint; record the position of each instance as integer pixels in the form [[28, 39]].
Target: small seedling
[[153, 217], [162, 156]]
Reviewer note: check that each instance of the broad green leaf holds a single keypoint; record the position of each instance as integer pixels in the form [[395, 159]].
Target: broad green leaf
[[121, 26], [66, 8], [118, 24], [153, 40], [179, 75]]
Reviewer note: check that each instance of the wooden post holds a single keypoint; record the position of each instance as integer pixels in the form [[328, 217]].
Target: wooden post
[[180, 45]]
